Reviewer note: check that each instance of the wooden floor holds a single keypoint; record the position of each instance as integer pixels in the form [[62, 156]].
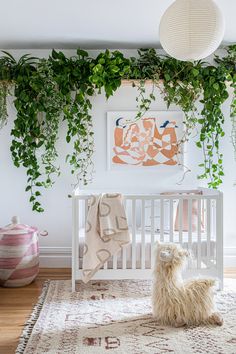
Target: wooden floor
[[16, 305]]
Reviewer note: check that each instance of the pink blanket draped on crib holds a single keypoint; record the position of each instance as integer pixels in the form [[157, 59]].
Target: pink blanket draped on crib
[[106, 232]]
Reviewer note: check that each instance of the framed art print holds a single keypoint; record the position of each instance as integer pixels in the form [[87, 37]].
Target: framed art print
[[149, 142]]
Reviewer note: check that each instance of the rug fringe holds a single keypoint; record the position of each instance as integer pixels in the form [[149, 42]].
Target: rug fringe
[[29, 324]]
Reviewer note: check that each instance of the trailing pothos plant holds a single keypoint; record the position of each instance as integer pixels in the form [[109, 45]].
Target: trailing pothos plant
[[49, 91], [186, 84], [228, 65]]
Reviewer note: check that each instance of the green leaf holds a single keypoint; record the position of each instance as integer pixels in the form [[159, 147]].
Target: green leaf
[[167, 77], [199, 145], [82, 53], [195, 72]]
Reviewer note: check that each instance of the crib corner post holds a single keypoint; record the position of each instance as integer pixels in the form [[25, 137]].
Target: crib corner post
[[220, 241], [74, 244]]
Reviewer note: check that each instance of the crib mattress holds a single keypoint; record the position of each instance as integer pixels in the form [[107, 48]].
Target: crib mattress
[[138, 246]]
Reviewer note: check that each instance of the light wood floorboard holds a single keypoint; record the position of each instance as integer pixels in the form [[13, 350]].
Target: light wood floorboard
[[16, 305]]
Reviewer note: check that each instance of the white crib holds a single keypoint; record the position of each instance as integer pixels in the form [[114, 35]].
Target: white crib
[[162, 217]]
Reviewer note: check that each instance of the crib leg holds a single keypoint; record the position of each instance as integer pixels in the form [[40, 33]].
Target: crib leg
[[73, 285], [73, 273], [221, 284], [75, 240]]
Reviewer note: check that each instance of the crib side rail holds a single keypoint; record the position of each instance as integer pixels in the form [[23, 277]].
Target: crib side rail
[[168, 216]]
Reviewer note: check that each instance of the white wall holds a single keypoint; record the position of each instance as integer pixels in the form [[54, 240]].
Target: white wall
[[57, 217]]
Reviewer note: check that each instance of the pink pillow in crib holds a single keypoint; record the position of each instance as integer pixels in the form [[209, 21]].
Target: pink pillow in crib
[[185, 212], [194, 214]]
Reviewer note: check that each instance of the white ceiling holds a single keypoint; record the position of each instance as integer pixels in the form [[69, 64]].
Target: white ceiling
[[91, 24]]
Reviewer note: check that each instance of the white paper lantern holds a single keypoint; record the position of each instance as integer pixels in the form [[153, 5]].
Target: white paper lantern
[[191, 29]]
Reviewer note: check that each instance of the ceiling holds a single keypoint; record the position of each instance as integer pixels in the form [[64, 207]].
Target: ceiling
[[90, 24]]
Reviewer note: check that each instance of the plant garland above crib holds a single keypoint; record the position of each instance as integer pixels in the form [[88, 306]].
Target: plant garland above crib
[[49, 91]]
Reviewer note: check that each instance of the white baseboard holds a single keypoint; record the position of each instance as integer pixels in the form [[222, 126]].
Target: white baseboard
[[55, 257], [60, 257]]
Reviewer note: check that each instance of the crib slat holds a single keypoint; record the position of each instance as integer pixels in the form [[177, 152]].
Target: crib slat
[[85, 210], [213, 218], [208, 230], [134, 234], [143, 233], [189, 224], [162, 221], [123, 250], [171, 220], [114, 266], [77, 227], [181, 221], [199, 232], [124, 258], [152, 233], [189, 229]]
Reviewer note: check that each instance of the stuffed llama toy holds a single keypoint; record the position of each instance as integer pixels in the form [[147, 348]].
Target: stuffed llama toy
[[179, 303]]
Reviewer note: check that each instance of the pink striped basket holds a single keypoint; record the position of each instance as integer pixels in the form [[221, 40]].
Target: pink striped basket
[[19, 254]]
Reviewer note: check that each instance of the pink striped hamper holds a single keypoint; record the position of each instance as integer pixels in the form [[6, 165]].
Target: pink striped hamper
[[19, 254]]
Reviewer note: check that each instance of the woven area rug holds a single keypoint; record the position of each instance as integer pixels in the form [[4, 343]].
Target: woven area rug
[[115, 317]]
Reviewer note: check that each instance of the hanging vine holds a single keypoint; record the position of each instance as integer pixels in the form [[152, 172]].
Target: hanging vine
[[228, 64], [7, 63], [72, 77], [49, 91], [183, 84]]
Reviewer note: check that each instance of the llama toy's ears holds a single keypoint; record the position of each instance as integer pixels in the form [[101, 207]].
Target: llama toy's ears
[[158, 243]]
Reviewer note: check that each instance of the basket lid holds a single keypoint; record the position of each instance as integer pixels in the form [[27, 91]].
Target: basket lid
[[16, 228]]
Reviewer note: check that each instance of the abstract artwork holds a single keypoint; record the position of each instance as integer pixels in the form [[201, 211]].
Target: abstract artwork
[[147, 142]]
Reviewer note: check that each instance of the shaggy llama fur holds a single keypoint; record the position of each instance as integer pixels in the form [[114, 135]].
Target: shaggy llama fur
[[175, 302]]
